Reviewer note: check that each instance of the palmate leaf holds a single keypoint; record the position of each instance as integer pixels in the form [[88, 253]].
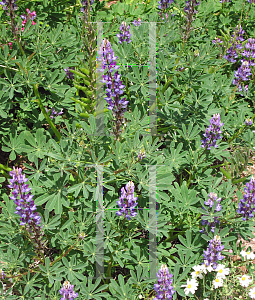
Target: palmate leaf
[[91, 291]]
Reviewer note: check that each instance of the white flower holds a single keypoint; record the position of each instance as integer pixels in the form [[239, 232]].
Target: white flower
[[205, 268], [206, 299], [140, 297], [222, 271], [191, 286], [244, 280], [198, 272], [252, 293], [217, 282], [248, 254]]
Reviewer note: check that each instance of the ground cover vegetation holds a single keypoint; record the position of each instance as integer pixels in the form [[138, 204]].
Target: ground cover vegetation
[[124, 131]]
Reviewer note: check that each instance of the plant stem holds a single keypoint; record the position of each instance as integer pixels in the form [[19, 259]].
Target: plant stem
[[39, 101]]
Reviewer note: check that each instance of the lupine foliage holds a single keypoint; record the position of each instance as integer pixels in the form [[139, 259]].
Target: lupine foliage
[[83, 173]]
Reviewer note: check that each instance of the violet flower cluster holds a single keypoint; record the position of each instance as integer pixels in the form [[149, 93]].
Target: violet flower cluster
[[137, 22], [54, 113], [124, 34], [251, 1], [212, 133], [69, 74], [164, 288], [114, 86], [127, 201], [236, 44], [223, 1], [30, 16], [247, 204], [213, 254], [85, 5], [163, 5], [210, 202], [25, 205], [242, 74], [248, 122], [67, 291], [9, 5]]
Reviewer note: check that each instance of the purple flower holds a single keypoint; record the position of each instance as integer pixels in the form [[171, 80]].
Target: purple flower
[[25, 205], [53, 112], [212, 133], [251, 1], [85, 3], [242, 74], [164, 288], [247, 204], [68, 73], [248, 122], [164, 4], [223, 1], [67, 291], [114, 86], [213, 253], [2, 274], [9, 4], [217, 40], [127, 201], [210, 202], [235, 45], [137, 22], [124, 34]]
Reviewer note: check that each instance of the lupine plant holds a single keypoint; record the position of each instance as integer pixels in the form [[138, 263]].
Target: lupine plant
[[154, 205]]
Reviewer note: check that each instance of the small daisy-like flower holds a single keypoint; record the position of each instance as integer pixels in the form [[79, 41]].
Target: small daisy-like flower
[[82, 235], [244, 280], [205, 267], [252, 293], [250, 255], [191, 286], [198, 272], [222, 271], [217, 282]]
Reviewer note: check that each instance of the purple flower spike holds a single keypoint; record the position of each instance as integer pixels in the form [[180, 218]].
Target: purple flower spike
[[247, 204], [67, 291], [127, 206], [251, 1], [9, 5], [25, 205], [114, 86], [212, 133], [164, 288], [210, 202], [248, 122], [124, 34], [213, 253], [85, 4]]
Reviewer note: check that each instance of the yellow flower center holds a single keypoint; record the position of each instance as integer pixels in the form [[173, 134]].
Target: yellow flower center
[[189, 286], [220, 271], [248, 252], [217, 280], [197, 272], [243, 278]]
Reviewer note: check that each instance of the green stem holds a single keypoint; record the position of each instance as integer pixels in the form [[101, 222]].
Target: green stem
[[240, 131], [39, 101], [108, 273], [64, 254]]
